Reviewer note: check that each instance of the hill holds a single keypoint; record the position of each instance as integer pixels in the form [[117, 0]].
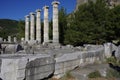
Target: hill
[[110, 3], [8, 27]]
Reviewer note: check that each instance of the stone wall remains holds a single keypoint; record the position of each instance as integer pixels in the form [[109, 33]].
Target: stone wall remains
[[70, 61], [26, 67], [39, 66]]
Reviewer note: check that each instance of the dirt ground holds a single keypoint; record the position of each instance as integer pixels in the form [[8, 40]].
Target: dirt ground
[[89, 79]]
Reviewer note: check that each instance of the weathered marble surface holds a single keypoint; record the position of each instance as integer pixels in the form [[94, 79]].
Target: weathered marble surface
[[27, 31], [32, 26], [108, 49], [11, 48], [38, 25], [46, 24], [46, 59], [31, 67], [55, 22], [117, 53], [69, 61]]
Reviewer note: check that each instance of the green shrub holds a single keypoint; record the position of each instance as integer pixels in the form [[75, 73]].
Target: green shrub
[[111, 73], [113, 61], [67, 76], [94, 74]]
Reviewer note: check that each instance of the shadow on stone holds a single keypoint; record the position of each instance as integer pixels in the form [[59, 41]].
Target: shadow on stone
[[113, 53], [50, 76], [19, 47], [24, 79], [117, 68]]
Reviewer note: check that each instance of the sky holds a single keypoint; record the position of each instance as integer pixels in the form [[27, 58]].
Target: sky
[[18, 9]]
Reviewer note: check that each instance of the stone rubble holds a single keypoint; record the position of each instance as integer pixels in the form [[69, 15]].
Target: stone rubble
[[63, 59], [31, 60]]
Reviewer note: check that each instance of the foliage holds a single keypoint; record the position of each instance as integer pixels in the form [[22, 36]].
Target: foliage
[[114, 70], [21, 29], [93, 22], [62, 24], [87, 21], [8, 27], [115, 21], [111, 73], [67, 76], [11, 28], [50, 30], [113, 61], [95, 74]]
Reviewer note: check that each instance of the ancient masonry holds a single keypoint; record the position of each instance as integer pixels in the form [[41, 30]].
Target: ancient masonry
[[46, 24], [38, 25], [55, 22], [46, 61], [36, 61], [30, 29]]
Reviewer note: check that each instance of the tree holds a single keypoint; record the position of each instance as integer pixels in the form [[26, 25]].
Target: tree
[[50, 30], [88, 24], [8, 27], [21, 29], [114, 21], [62, 24]]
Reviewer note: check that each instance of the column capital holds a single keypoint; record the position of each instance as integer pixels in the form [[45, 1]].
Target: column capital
[[55, 2], [46, 7], [27, 16], [38, 10], [32, 13]]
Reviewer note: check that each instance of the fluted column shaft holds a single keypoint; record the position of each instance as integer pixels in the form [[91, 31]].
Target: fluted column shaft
[[38, 25], [46, 24], [27, 28], [55, 22], [32, 26]]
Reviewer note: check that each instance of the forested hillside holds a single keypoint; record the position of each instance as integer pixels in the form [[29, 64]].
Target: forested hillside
[[10, 27]]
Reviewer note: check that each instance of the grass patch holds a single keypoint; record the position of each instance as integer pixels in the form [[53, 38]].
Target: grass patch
[[113, 61], [102, 79], [95, 74], [67, 76], [111, 73]]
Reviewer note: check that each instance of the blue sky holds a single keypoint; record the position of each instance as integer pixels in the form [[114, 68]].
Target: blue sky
[[17, 9]]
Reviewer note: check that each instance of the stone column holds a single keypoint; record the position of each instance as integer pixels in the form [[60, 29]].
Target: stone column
[[9, 39], [55, 22], [15, 39], [4, 40], [46, 25], [32, 26], [38, 26], [108, 49], [1, 39], [22, 40], [27, 28]]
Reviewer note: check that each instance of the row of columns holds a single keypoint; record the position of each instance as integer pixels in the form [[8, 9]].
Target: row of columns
[[30, 25], [9, 40]]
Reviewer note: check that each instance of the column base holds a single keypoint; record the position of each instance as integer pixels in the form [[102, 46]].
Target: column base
[[31, 42], [55, 45]]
